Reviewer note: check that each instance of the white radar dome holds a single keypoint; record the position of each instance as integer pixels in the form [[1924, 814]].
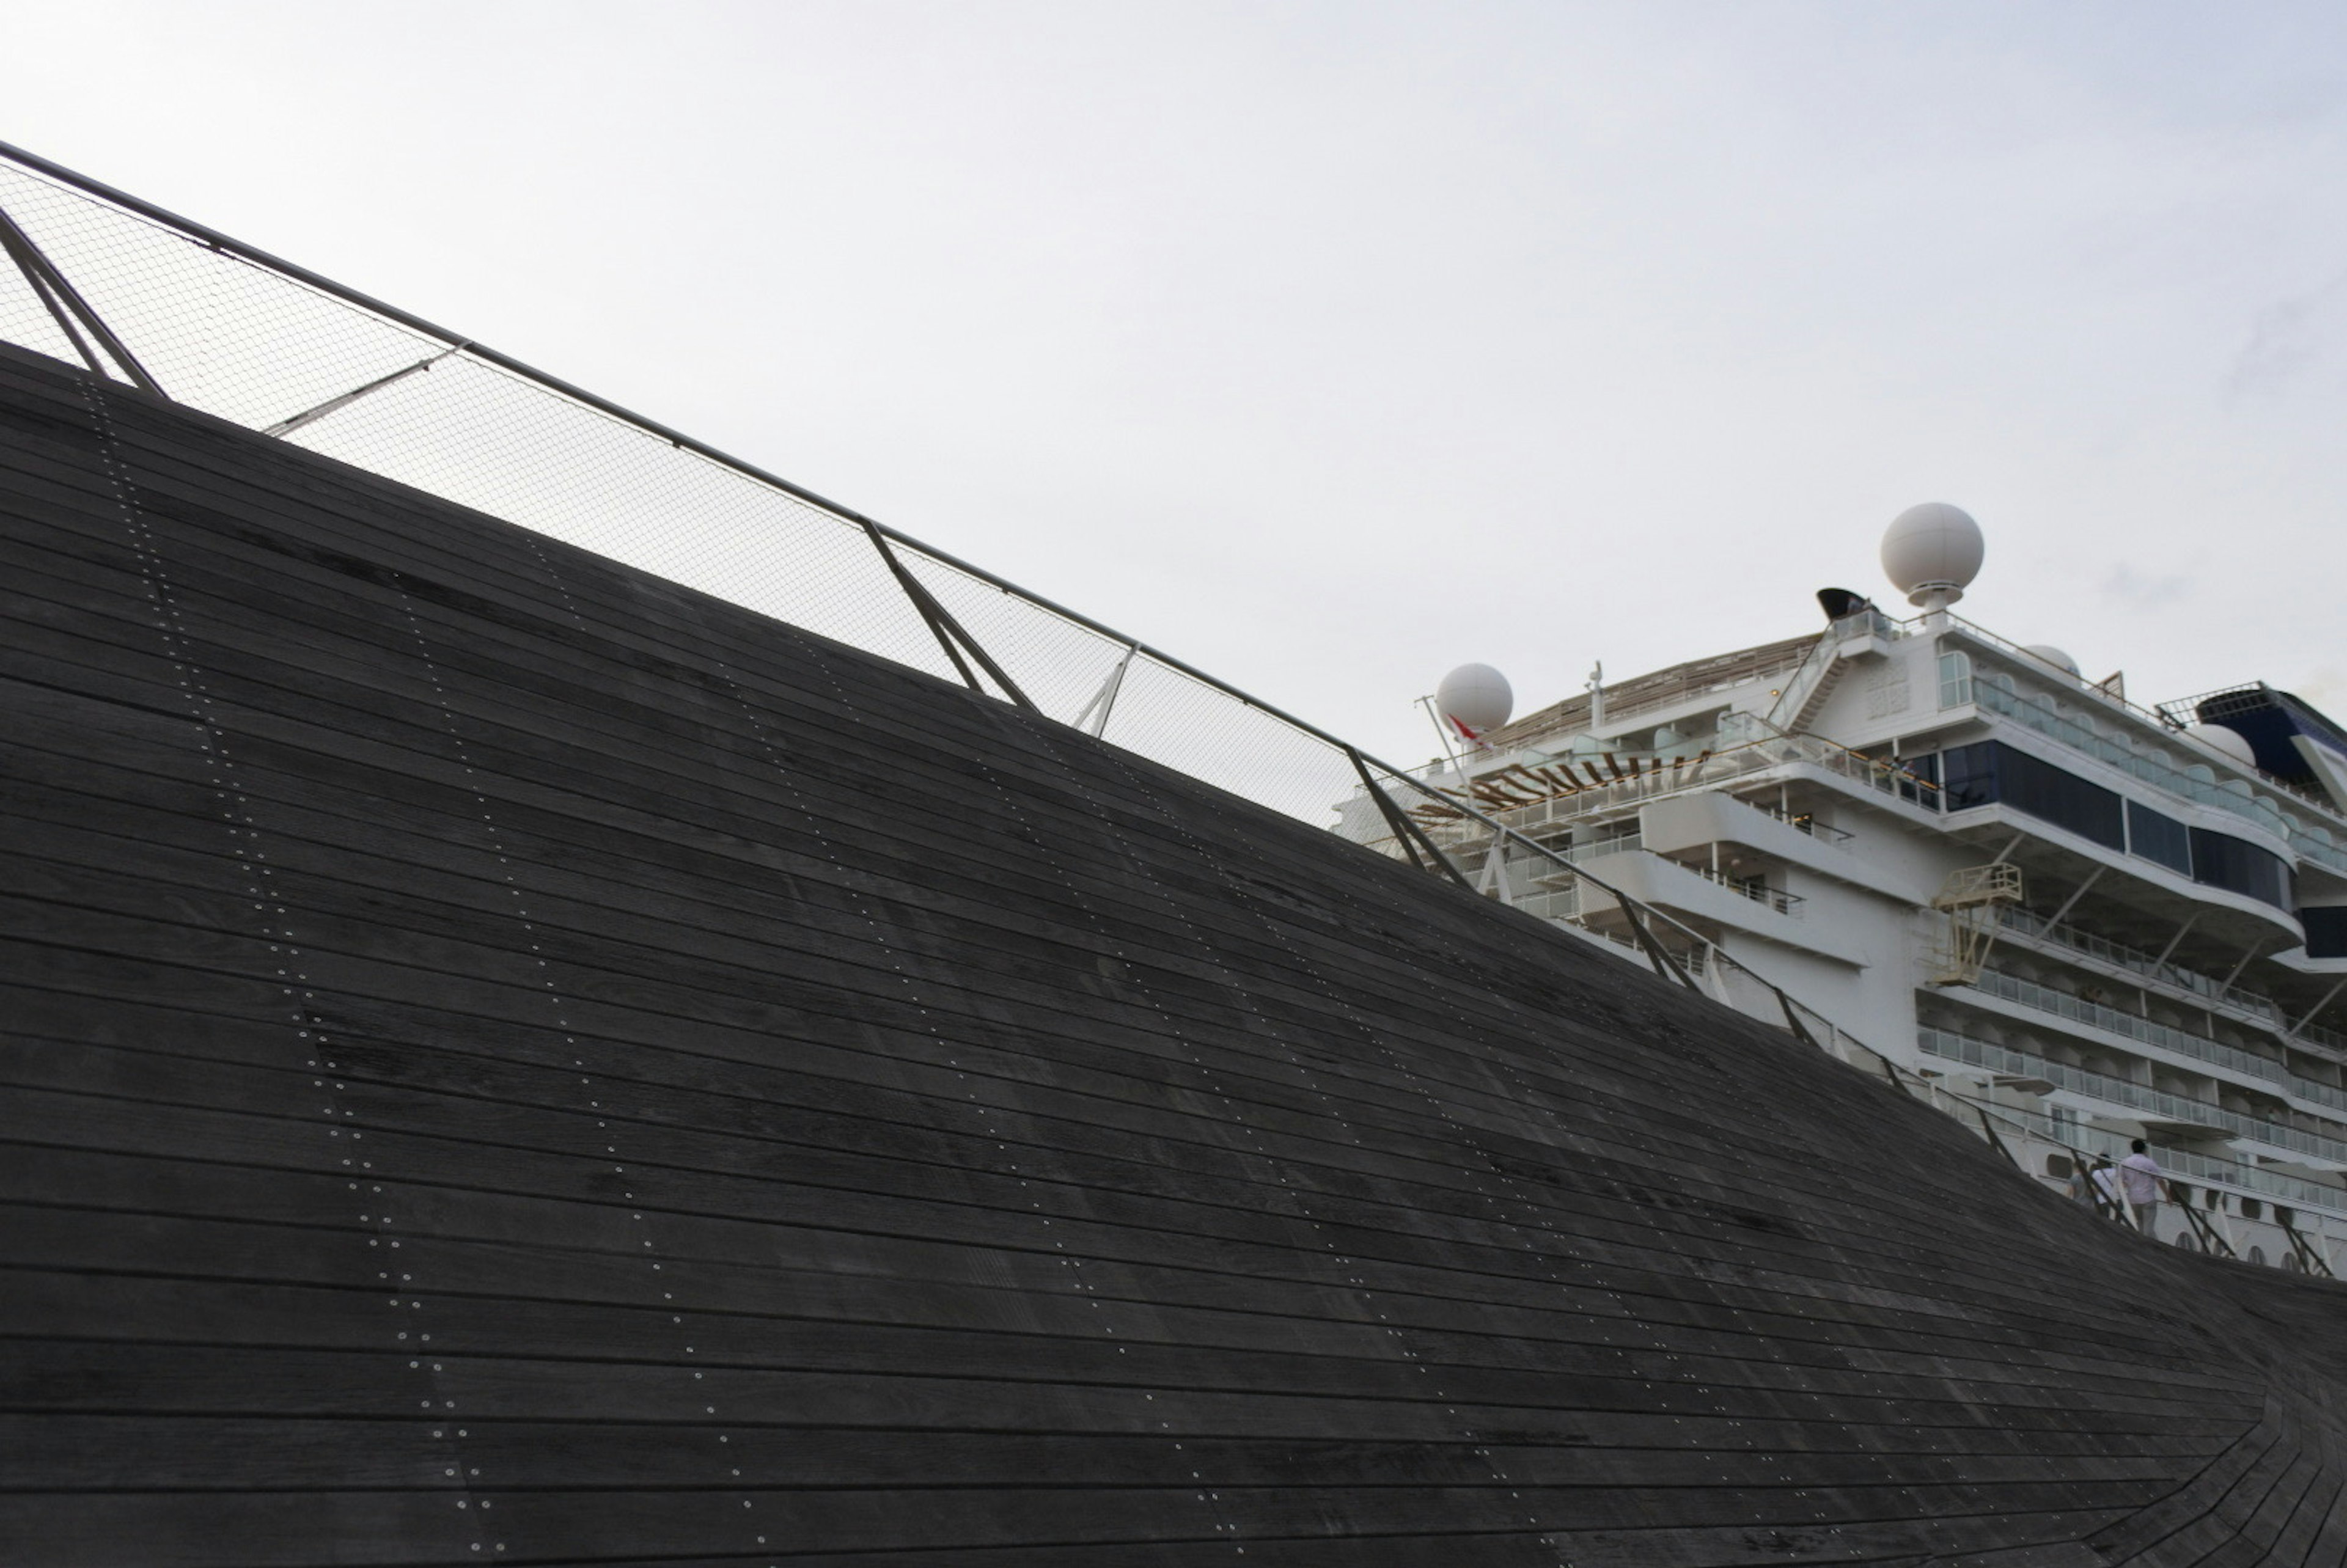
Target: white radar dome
[[2045, 652], [1475, 698], [2225, 742], [1931, 553]]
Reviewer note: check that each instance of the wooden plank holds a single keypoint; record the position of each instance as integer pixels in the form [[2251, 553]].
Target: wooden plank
[[774, 1076]]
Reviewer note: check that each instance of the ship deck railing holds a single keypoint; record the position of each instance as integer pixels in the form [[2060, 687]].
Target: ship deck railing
[[171, 309], [2135, 1096]]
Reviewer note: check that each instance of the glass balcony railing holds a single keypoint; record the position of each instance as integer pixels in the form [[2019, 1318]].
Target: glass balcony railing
[[2004, 1060], [1998, 694], [2201, 988], [2206, 1169], [2045, 998], [2182, 1042]]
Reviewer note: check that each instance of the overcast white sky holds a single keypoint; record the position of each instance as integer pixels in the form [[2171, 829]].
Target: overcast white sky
[[1330, 346]]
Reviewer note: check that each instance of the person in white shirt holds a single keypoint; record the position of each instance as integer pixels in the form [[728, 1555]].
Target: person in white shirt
[[2140, 1175], [2105, 1180]]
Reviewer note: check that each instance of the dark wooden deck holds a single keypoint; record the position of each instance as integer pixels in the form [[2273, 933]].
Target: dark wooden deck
[[507, 1060]]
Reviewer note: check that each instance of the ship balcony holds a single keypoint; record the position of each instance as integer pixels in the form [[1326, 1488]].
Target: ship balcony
[[2296, 1185], [1686, 828], [2145, 972], [1709, 901], [2108, 1095], [2113, 1031], [2136, 969], [2052, 856]]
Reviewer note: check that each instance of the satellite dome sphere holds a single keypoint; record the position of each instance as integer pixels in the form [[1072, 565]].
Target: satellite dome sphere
[[1933, 548], [1476, 698], [2047, 653], [2225, 742]]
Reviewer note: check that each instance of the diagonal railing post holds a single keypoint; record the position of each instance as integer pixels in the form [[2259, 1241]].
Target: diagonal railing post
[[944, 627], [1104, 700], [1413, 837], [1664, 962], [65, 304], [343, 400]]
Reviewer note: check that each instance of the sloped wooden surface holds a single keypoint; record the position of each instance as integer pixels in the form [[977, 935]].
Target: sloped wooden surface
[[510, 1060]]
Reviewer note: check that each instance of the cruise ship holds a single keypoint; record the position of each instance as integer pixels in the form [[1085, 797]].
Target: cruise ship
[[2070, 920]]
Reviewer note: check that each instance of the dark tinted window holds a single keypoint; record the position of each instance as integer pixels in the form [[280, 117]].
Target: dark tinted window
[[2060, 797], [1968, 774], [2221, 861], [2158, 838], [2326, 932]]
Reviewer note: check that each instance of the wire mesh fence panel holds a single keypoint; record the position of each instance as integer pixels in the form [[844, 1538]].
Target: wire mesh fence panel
[[216, 332], [24, 320], [1063, 668], [1177, 720], [222, 330], [478, 436]]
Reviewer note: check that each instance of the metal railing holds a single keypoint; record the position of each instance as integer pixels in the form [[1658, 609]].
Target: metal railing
[[2237, 797], [148, 299], [225, 328], [2133, 1025], [1758, 892], [1795, 694], [2208, 1169], [2188, 984], [2120, 1091], [152, 301]]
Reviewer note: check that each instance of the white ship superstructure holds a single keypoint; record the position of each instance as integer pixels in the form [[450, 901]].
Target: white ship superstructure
[[2072, 920]]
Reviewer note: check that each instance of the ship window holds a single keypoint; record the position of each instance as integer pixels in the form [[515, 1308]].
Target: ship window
[[2257, 1255], [2063, 799], [1990, 771], [2162, 840], [1955, 679], [2251, 1209], [2219, 860], [2326, 932], [1968, 774]]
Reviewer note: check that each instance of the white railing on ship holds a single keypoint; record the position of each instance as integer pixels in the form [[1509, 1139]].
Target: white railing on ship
[[2078, 1010], [2119, 1091], [1796, 691], [2202, 990], [1776, 898], [2204, 1168], [2045, 998], [1993, 692], [1733, 760]]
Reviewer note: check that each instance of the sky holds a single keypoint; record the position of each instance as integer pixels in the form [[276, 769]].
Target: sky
[[1328, 346]]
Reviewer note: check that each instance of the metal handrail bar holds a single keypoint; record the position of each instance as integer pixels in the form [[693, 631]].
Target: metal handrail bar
[[2184, 984], [2124, 1091], [1776, 898], [472, 348], [2136, 1027], [2207, 1169], [468, 347], [2147, 716]]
